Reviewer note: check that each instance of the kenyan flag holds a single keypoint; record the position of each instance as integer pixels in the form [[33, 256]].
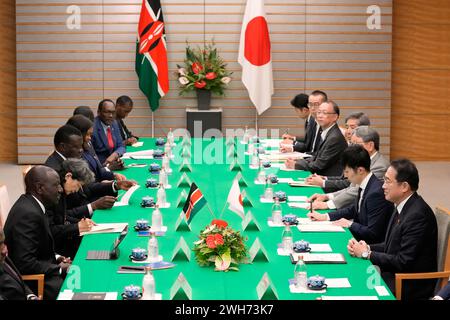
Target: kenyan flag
[[194, 202], [151, 53]]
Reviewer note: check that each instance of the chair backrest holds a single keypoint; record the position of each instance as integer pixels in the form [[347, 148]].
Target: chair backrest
[[443, 222], [5, 205]]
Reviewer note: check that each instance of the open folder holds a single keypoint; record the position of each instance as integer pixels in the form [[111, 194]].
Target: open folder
[[106, 228], [144, 154], [126, 197]]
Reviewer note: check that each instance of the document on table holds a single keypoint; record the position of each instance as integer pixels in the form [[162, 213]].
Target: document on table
[[285, 180], [349, 298], [319, 258], [144, 154], [299, 205], [320, 228], [126, 197], [70, 295], [137, 144], [106, 228], [272, 143], [308, 221], [284, 156], [298, 198]]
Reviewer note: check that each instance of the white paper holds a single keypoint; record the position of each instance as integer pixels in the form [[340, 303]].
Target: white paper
[[264, 200], [285, 180], [283, 168], [162, 229], [142, 153], [382, 291], [321, 257], [283, 252], [338, 283], [308, 221], [165, 206], [294, 289], [302, 184], [138, 144], [106, 228], [270, 223], [298, 198], [320, 228], [259, 182], [126, 197], [284, 156], [273, 143], [317, 247], [159, 259], [299, 205], [68, 295], [349, 298]]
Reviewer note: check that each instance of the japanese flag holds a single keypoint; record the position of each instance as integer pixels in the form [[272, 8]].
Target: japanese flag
[[234, 199], [255, 56]]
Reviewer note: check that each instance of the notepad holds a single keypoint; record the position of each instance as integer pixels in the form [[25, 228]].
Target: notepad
[[349, 298], [319, 258], [308, 221], [70, 295], [298, 198], [299, 205], [126, 197], [320, 228], [272, 143], [106, 228], [137, 144]]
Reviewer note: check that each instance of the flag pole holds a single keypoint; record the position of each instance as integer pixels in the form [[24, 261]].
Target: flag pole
[[256, 122], [223, 209], [153, 125]]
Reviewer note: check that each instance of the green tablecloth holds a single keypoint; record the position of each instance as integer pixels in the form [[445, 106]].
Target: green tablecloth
[[214, 180]]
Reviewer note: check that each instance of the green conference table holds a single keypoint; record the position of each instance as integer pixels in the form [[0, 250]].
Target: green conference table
[[214, 180]]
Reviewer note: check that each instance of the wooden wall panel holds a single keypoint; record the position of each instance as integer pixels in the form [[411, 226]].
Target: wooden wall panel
[[8, 114], [420, 80], [316, 44]]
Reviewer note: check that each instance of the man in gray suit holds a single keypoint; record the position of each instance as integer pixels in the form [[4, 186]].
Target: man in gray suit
[[328, 144], [370, 140]]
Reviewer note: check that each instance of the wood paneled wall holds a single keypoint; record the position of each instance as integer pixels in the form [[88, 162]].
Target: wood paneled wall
[[8, 102], [421, 80], [316, 44]]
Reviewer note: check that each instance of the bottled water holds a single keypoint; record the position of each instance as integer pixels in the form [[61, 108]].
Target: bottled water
[[166, 166], [168, 150], [254, 162], [300, 275], [163, 181], [153, 252], [276, 212], [157, 221], [251, 148], [148, 285], [161, 195], [246, 136], [268, 193], [261, 175], [170, 137], [286, 239]]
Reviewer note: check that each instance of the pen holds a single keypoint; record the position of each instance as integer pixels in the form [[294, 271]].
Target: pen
[[132, 268], [310, 206]]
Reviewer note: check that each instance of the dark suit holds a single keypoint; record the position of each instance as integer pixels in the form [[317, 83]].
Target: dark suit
[[370, 222], [444, 293], [30, 243], [410, 246], [124, 132], [64, 229], [100, 141], [76, 203], [326, 161], [101, 173], [12, 286], [305, 144]]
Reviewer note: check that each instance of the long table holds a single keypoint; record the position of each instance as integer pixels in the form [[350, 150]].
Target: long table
[[214, 180]]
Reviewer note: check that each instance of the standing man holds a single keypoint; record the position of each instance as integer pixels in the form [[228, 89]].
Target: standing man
[[124, 105], [106, 139], [410, 244]]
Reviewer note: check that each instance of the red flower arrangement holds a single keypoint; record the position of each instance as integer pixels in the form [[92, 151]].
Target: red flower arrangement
[[221, 245]]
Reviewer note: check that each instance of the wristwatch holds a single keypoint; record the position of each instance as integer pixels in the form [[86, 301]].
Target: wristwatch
[[365, 254]]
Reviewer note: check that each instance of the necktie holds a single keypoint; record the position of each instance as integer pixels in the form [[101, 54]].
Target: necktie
[[318, 140], [11, 271], [110, 138], [359, 199]]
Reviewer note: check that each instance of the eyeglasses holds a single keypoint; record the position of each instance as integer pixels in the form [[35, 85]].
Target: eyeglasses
[[322, 112], [313, 104]]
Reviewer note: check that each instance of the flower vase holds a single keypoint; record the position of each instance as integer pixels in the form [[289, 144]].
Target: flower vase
[[203, 99]]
